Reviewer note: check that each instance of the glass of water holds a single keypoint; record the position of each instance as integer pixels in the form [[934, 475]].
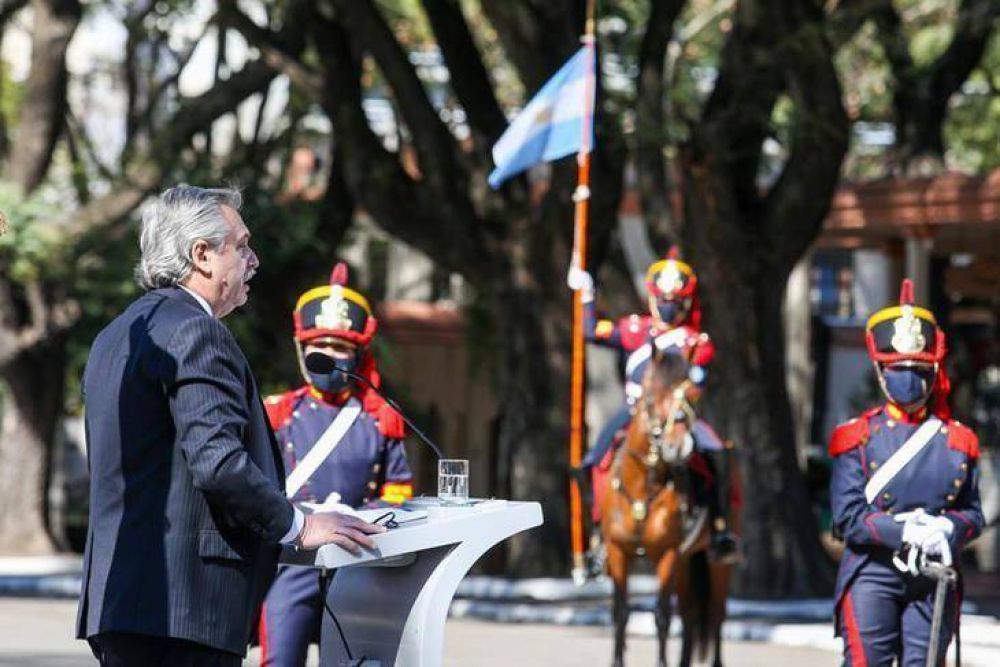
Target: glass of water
[[453, 481]]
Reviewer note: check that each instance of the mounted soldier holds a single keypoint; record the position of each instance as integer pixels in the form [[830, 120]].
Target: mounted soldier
[[342, 445], [904, 489], [672, 326]]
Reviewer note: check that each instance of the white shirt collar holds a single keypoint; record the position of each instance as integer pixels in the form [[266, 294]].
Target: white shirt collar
[[200, 299]]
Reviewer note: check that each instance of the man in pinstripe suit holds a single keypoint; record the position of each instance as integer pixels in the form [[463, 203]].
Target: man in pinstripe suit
[[187, 509]]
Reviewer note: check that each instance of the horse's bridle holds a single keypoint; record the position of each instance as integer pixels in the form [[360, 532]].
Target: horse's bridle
[[658, 430]]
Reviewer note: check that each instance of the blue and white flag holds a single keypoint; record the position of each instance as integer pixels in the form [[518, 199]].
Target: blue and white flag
[[557, 121]]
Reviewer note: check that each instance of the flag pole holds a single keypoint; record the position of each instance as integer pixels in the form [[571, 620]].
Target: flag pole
[[581, 198]]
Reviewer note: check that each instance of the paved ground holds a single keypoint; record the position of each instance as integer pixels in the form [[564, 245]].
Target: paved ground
[[38, 633]]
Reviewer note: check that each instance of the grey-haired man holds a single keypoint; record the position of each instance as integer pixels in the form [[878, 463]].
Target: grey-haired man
[[187, 510]]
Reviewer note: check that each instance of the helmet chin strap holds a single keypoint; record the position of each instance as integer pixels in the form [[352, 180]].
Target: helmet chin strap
[[301, 360]]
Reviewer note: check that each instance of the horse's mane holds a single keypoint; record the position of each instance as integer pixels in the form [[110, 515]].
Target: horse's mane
[[667, 371]]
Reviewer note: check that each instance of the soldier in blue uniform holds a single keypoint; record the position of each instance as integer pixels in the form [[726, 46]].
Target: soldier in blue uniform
[[672, 325], [904, 482], [341, 443]]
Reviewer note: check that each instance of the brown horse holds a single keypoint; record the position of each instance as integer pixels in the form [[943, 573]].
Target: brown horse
[[647, 510]]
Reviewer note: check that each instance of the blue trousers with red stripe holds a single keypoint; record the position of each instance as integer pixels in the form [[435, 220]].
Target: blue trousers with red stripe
[[886, 615], [291, 617]]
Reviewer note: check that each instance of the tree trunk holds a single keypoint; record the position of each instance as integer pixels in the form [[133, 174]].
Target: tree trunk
[[533, 417], [32, 403], [747, 400]]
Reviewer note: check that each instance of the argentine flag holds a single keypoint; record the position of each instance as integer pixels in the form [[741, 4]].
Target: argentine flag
[[558, 121]]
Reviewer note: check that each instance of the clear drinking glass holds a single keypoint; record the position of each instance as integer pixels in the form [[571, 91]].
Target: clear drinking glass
[[453, 481]]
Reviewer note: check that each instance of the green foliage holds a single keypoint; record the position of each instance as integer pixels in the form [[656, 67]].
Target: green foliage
[[971, 136], [33, 247], [102, 285], [12, 97], [972, 129], [928, 26]]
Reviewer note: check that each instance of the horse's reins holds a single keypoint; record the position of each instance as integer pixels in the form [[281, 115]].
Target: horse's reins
[[657, 431]]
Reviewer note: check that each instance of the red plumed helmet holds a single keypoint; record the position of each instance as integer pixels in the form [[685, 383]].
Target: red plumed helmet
[[334, 311]]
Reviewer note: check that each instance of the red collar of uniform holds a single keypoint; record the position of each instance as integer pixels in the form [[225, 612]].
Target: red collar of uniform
[[335, 400], [901, 415]]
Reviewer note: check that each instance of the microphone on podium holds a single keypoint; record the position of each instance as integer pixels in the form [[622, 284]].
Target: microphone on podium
[[317, 362]]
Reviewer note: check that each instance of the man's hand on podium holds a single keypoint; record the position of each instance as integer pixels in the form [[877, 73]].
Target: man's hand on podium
[[349, 532]]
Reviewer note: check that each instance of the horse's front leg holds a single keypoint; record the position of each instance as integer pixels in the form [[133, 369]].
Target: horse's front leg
[[665, 571], [618, 562], [721, 574]]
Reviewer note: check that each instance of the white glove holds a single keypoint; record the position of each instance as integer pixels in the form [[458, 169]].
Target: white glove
[[578, 279], [936, 544], [939, 523], [927, 536], [915, 533], [919, 518]]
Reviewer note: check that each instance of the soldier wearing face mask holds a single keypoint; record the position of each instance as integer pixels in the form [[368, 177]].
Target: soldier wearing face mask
[[904, 485], [341, 444], [672, 325]]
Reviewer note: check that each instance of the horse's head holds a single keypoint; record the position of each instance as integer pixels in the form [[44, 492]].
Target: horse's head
[[667, 414]]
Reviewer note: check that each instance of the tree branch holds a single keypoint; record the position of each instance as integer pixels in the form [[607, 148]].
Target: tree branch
[[847, 17], [79, 133], [37, 311], [136, 32], [181, 60], [650, 118], [736, 118], [44, 320], [921, 94], [975, 24], [42, 111], [537, 37], [190, 119], [797, 204], [274, 51], [7, 10], [469, 77], [431, 138], [406, 209]]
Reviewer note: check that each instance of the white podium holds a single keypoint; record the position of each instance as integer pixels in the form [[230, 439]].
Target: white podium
[[392, 602]]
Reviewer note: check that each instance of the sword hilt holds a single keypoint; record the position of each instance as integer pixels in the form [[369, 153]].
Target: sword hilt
[[939, 571]]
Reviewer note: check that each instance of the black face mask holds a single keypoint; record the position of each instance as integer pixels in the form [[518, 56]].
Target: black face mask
[[669, 311], [325, 372]]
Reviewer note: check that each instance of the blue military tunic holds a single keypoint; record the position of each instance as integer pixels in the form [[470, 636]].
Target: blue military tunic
[[359, 467], [881, 611], [366, 465]]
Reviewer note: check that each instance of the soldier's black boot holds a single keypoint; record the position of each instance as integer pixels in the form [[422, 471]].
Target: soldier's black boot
[[723, 545]]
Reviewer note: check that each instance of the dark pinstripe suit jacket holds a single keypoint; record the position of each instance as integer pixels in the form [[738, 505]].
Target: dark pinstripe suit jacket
[[186, 494]]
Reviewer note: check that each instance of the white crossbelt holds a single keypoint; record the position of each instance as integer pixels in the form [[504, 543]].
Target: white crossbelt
[[636, 358], [913, 446], [327, 442]]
